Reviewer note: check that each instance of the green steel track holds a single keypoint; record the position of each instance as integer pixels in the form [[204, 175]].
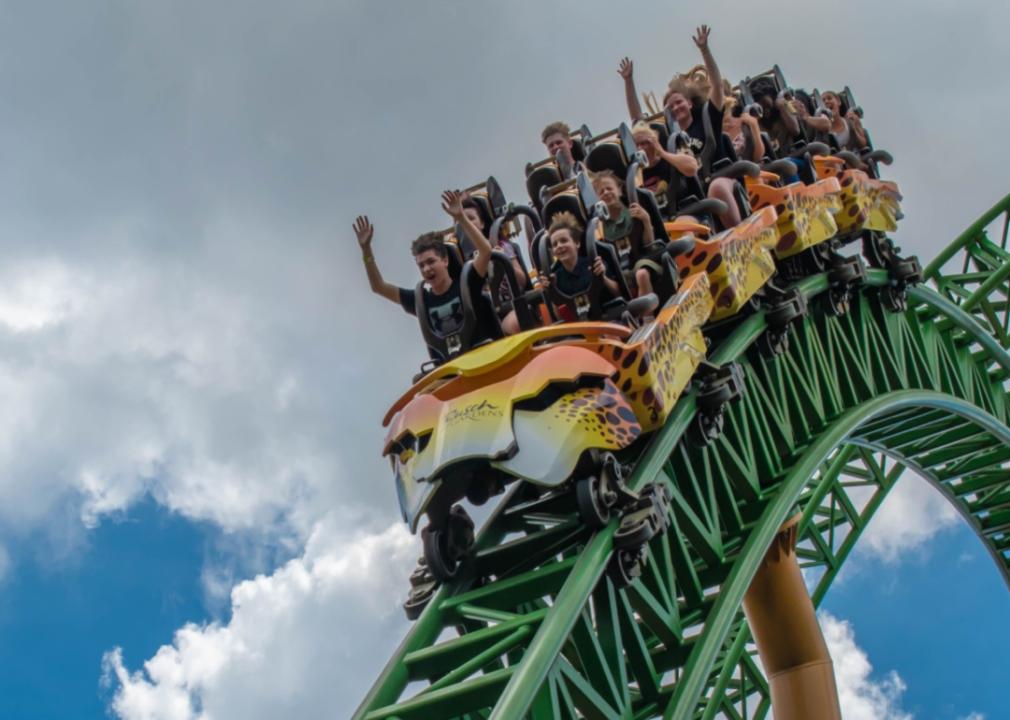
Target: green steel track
[[825, 429]]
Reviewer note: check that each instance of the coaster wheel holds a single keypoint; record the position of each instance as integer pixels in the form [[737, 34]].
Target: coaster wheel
[[593, 501], [876, 250], [445, 547]]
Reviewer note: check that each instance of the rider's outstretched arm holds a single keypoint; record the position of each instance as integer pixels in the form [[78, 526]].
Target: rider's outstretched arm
[[364, 230], [717, 97], [626, 70], [452, 203]]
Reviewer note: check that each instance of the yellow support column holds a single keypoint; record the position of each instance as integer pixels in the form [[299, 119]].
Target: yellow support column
[[788, 636]]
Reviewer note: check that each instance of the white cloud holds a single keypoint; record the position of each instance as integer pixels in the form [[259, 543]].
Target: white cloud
[[129, 378], [908, 518], [38, 294], [860, 695], [304, 642], [973, 716]]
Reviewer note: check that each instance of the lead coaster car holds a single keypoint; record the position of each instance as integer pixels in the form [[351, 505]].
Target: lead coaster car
[[534, 406]]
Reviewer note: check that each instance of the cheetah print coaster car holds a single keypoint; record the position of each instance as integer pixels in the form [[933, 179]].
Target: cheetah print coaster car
[[738, 261]]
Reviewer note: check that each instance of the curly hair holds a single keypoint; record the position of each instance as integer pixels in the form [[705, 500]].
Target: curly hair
[[762, 86], [553, 129], [429, 241], [564, 220], [693, 85]]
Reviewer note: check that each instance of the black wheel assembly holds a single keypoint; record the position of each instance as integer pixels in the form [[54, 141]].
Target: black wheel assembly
[[592, 502], [445, 547]]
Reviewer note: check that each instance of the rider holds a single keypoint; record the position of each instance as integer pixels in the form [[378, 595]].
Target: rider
[[734, 121], [558, 137], [472, 210], [442, 293], [688, 97], [846, 125], [656, 175], [572, 272], [780, 118], [509, 322], [628, 229]]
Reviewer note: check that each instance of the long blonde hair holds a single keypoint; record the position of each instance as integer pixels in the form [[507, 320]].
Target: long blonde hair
[[693, 85]]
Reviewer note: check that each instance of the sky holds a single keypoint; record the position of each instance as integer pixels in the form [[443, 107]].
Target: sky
[[195, 520]]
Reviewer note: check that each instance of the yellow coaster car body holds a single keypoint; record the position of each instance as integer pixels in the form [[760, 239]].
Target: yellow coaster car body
[[867, 204], [886, 208], [805, 213], [738, 261], [531, 404]]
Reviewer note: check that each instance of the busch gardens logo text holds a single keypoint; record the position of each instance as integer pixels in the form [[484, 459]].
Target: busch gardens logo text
[[477, 411]]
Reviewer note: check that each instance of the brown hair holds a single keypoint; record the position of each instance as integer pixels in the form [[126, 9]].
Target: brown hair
[[564, 220], [429, 241], [553, 129], [603, 175]]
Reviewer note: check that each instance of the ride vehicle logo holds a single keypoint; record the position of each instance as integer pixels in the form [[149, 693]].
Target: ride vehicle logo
[[476, 411]]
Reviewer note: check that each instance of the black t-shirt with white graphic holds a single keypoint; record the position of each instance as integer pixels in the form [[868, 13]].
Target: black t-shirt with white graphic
[[445, 311]]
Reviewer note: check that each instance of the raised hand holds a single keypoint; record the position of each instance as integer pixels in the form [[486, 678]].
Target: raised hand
[[626, 68], [363, 230], [701, 37], [452, 203]]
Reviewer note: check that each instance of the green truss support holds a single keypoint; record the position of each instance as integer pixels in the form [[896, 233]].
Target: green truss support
[[825, 429]]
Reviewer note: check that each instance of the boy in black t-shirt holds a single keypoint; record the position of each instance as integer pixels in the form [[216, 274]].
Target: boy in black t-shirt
[[442, 295]]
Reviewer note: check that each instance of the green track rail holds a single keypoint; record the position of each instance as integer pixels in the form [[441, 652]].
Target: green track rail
[[825, 429]]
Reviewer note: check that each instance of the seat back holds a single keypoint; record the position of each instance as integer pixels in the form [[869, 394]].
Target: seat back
[[543, 175], [507, 295], [575, 196]]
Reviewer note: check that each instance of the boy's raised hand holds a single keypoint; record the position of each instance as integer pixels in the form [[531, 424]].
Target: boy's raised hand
[[364, 230]]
